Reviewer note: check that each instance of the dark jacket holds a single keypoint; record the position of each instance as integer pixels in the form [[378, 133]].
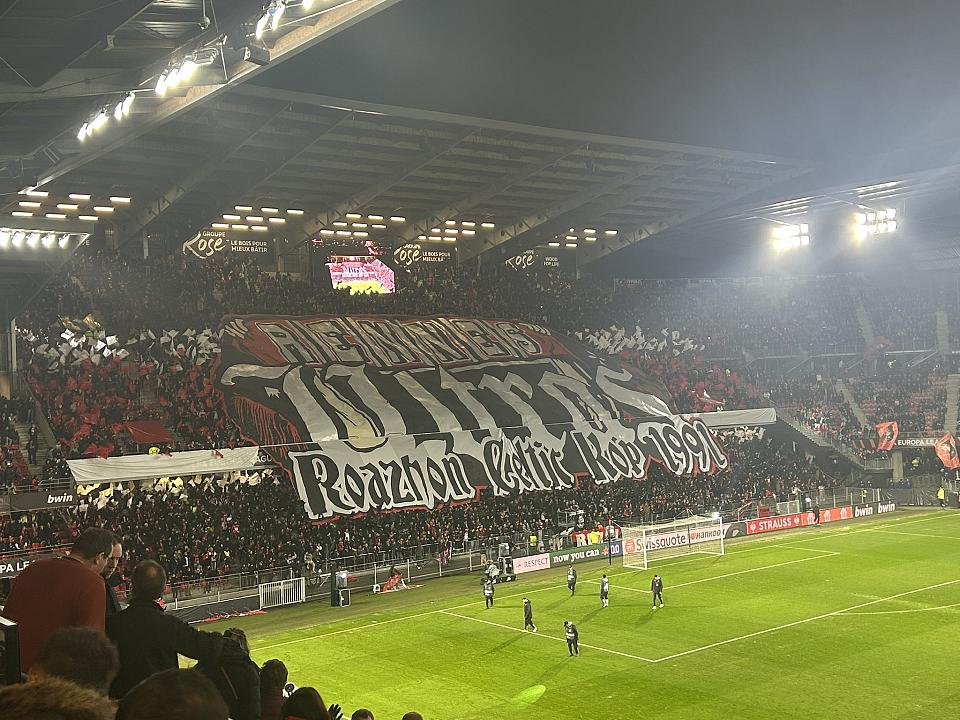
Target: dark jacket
[[113, 604], [270, 704], [149, 641], [237, 678]]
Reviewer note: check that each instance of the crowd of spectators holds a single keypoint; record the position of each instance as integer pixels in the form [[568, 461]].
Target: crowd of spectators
[[915, 400]]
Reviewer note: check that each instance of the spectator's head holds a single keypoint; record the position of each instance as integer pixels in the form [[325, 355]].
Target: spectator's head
[[148, 580], [273, 676], [305, 704], [81, 655], [173, 695], [362, 714], [113, 561], [92, 547], [412, 715], [239, 637], [53, 699]]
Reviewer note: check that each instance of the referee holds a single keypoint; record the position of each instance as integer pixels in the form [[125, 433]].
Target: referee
[[528, 615], [656, 587], [573, 637]]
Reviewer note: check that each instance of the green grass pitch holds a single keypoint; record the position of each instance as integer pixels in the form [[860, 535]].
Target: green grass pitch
[[860, 620]]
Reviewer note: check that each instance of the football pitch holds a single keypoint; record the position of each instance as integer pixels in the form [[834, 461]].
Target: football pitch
[[854, 620]]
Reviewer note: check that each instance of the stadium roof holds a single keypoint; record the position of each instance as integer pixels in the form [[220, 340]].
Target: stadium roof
[[229, 137]]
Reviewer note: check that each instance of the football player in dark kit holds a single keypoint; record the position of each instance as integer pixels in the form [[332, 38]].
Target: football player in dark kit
[[528, 615], [572, 579], [488, 591], [656, 587], [573, 637]]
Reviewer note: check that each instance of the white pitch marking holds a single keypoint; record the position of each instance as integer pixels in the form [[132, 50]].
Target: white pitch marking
[[725, 575], [804, 621], [922, 535], [901, 612], [760, 544], [548, 637]]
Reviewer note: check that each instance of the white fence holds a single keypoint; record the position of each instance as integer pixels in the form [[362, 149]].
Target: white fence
[[282, 592]]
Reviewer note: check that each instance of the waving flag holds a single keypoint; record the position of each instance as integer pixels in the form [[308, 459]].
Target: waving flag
[[887, 433], [946, 448]]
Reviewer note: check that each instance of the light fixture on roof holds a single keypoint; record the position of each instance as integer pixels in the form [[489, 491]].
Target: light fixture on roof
[[4, 238], [254, 218], [294, 211], [553, 244], [231, 217], [874, 222], [269, 210], [64, 241], [67, 206], [56, 216], [18, 237], [571, 237], [377, 226], [21, 213], [421, 237], [375, 218], [49, 240], [487, 225], [326, 231], [28, 204], [450, 223], [344, 233], [449, 239], [119, 200], [450, 231], [397, 219], [220, 226], [340, 223], [609, 232], [790, 237], [353, 216], [361, 226], [242, 208], [122, 108], [88, 218], [469, 232], [468, 224], [435, 231], [79, 196], [361, 234], [259, 228], [33, 239], [589, 231], [33, 192], [103, 209], [240, 227], [277, 220], [571, 245]]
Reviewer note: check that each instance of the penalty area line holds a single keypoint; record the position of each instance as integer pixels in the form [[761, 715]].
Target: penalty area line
[[835, 613], [547, 637], [725, 575]]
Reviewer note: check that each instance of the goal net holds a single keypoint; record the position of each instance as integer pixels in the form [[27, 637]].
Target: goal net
[[643, 544]]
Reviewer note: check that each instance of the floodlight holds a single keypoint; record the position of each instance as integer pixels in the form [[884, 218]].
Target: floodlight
[[49, 239], [64, 241]]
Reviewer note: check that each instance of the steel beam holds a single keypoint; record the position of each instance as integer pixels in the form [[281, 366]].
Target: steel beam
[[492, 189], [360, 199], [307, 34], [215, 162], [561, 209], [605, 247]]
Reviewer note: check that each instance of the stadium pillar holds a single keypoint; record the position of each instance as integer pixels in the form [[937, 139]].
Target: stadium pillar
[[896, 459]]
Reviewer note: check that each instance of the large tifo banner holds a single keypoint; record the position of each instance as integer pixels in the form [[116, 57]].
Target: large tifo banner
[[382, 413]]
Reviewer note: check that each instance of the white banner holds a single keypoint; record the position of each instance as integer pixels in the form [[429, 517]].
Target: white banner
[[144, 467], [739, 418]]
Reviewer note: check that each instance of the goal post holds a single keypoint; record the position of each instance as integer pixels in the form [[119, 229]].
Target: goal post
[[644, 544]]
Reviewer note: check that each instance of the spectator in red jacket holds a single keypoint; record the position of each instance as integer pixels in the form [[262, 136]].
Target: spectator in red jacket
[[60, 592]]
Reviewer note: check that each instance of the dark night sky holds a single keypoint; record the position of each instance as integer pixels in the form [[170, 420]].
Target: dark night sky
[[820, 79]]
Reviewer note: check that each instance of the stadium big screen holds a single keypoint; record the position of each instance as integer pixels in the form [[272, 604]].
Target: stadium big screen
[[361, 274]]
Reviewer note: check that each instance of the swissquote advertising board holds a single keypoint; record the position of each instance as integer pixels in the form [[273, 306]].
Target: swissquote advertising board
[[386, 413]]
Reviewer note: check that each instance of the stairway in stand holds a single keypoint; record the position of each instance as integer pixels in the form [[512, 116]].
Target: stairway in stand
[[953, 398]]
